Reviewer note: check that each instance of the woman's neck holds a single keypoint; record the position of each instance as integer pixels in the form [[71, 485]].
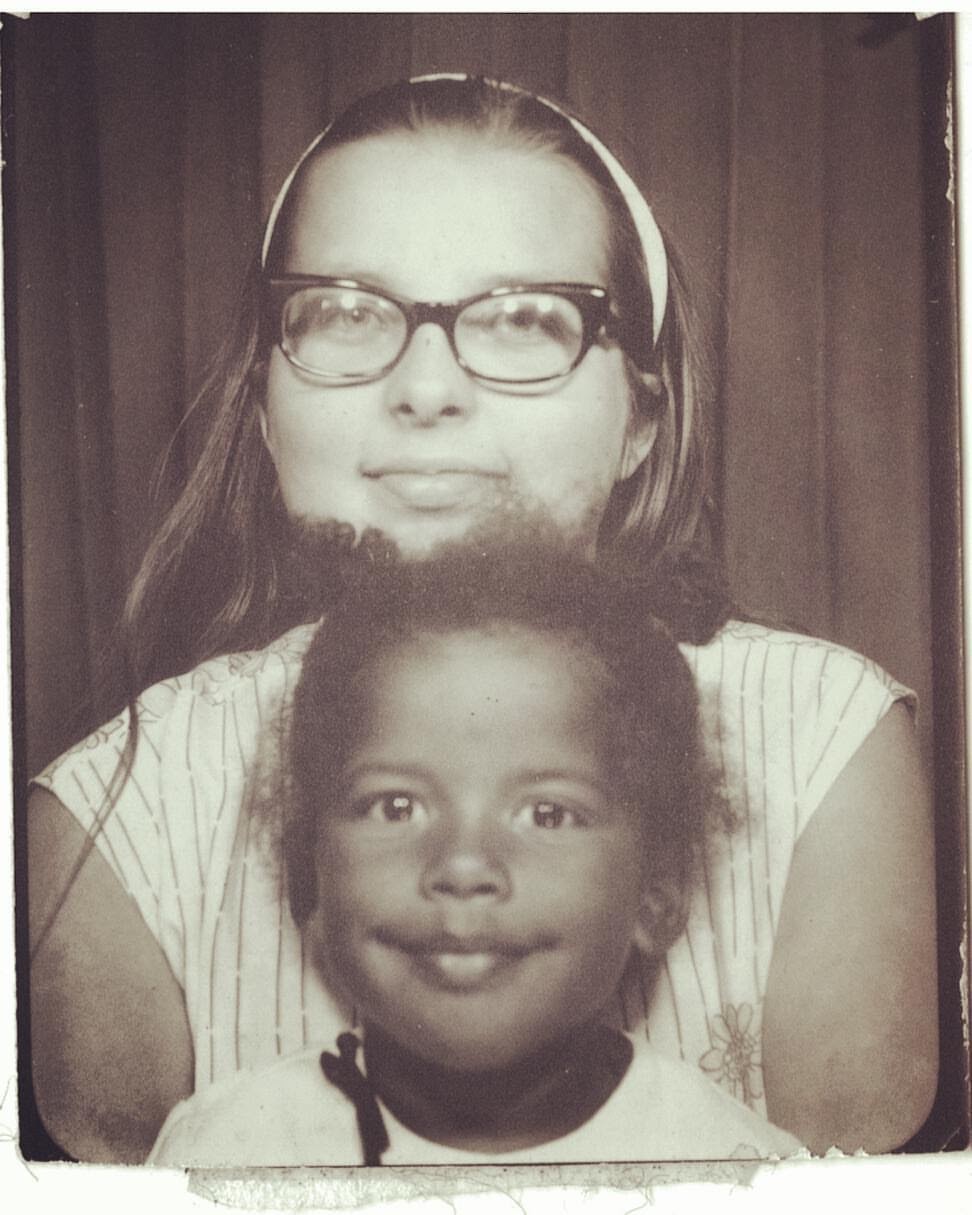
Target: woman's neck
[[535, 1100]]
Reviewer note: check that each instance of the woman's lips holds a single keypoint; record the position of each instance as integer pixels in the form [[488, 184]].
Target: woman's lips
[[444, 489]]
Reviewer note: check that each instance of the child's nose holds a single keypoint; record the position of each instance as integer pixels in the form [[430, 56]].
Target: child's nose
[[466, 864], [427, 385]]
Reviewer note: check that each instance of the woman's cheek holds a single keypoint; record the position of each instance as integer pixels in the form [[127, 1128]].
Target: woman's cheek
[[574, 474], [315, 448]]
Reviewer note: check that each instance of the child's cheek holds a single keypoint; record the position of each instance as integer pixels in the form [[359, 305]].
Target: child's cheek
[[364, 868]]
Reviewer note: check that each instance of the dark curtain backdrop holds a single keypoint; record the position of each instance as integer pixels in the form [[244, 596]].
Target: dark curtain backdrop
[[796, 161]]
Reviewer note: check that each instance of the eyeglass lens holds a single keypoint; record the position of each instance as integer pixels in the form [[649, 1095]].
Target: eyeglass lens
[[518, 336]]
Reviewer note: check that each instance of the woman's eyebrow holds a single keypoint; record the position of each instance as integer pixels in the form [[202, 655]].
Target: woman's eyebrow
[[385, 284]]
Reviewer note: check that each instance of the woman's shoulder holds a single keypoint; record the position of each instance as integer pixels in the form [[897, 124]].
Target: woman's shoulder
[[227, 675], [161, 802], [785, 712], [743, 653], [744, 635], [246, 684]]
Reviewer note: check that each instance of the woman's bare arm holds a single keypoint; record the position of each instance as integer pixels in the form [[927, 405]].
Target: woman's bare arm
[[111, 1049], [850, 1025]]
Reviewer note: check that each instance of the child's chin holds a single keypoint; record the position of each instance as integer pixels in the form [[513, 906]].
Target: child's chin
[[471, 1056]]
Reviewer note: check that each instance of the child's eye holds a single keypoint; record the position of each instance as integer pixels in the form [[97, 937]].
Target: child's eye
[[390, 808], [548, 816]]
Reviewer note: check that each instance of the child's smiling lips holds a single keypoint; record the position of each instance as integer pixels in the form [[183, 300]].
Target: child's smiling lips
[[460, 971], [463, 961]]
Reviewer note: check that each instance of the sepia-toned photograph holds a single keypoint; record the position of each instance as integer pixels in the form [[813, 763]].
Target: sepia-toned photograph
[[485, 588]]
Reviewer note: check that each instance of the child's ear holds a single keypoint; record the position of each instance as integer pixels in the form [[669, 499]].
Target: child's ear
[[661, 919]]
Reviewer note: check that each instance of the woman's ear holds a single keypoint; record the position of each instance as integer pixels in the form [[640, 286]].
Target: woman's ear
[[258, 376], [642, 425], [664, 906], [265, 430]]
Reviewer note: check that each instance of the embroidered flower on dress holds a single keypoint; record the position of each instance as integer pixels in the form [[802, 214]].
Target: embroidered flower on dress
[[734, 1061]]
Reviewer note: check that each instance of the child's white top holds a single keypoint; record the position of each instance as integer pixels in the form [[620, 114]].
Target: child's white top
[[191, 839], [289, 1114]]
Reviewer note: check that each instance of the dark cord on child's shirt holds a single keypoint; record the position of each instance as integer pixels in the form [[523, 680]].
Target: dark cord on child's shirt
[[344, 1073]]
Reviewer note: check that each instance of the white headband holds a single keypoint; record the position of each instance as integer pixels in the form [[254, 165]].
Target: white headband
[[653, 247]]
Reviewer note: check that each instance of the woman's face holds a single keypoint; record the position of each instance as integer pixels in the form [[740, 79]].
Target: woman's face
[[426, 453]]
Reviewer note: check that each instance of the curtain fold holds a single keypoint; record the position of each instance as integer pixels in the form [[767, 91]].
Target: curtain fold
[[55, 329]]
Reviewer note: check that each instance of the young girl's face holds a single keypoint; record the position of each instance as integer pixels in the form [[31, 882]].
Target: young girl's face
[[426, 451], [480, 884]]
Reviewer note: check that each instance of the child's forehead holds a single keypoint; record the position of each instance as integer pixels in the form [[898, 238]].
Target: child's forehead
[[500, 678], [485, 704], [568, 653]]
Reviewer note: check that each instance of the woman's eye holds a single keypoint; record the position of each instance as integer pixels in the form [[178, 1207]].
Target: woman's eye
[[518, 323], [548, 816], [520, 318], [390, 808], [527, 323], [350, 321]]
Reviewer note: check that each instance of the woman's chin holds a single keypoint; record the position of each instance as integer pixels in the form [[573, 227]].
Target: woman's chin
[[418, 544], [418, 534], [513, 522]]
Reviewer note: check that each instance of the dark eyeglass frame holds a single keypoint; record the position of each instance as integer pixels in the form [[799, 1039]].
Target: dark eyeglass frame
[[592, 302]]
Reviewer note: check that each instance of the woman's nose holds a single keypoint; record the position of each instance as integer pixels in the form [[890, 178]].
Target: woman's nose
[[427, 385], [466, 864]]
